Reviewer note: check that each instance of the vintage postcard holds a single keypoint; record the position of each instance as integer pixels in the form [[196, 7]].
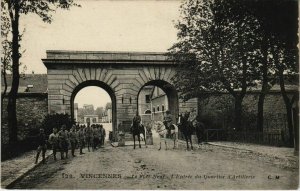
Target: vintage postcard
[[149, 95]]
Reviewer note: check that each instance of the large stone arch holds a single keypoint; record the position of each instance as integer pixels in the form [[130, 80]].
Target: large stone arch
[[125, 73], [99, 84]]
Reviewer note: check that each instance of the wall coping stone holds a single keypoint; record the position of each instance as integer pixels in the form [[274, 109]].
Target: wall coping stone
[[31, 94]]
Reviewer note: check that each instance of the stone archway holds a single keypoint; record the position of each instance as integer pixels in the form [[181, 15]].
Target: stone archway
[[121, 74], [172, 95], [99, 84]]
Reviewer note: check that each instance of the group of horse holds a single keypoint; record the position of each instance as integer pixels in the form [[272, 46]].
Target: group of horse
[[186, 127]]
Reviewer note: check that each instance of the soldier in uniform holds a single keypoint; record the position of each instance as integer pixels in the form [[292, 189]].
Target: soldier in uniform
[[63, 137], [73, 139], [80, 137], [53, 140], [168, 118], [42, 147], [89, 136], [193, 117], [103, 134], [99, 134], [136, 121], [95, 137]]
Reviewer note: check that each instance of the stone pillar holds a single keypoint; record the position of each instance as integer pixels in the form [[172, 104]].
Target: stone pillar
[[121, 135], [121, 139], [149, 139]]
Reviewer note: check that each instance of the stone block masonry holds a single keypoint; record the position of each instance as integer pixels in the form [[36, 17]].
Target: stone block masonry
[[121, 74], [31, 110]]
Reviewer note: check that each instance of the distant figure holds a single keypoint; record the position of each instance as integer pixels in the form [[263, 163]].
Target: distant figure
[[103, 134], [136, 121], [42, 146], [89, 137], [95, 136], [137, 128], [80, 137], [168, 119], [63, 141], [73, 139], [54, 141]]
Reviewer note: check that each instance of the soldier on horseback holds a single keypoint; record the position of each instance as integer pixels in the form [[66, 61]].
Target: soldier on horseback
[[168, 119], [137, 128], [136, 121]]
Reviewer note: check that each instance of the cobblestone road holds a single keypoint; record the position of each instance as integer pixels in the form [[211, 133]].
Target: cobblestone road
[[208, 167]]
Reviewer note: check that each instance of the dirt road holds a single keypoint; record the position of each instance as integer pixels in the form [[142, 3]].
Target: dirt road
[[208, 167]]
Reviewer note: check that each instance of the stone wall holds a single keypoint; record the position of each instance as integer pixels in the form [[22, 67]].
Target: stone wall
[[31, 110], [216, 109]]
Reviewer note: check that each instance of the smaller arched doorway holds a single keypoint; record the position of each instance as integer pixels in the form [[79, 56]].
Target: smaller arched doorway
[[93, 118], [155, 98]]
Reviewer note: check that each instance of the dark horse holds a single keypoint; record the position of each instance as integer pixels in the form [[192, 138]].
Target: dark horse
[[137, 130], [187, 129]]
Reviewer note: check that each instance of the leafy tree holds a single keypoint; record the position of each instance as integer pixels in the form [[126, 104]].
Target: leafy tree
[[56, 120], [217, 50], [6, 53], [17, 8], [279, 26], [99, 111], [108, 106]]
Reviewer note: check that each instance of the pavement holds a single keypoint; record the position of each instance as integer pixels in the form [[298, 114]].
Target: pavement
[[15, 169]]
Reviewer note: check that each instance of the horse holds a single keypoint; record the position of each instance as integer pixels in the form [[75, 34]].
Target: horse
[[188, 128], [137, 130], [162, 131]]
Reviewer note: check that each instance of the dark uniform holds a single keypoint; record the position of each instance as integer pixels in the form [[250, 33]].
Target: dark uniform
[[63, 142], [80, 137], [136, 121], [88, 136], [73, 139], [54, 141], [96, 137], [168, 122], [42, 146], [102, 135]]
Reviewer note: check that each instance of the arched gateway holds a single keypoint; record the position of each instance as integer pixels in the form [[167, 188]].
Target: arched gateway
[[121, 74]]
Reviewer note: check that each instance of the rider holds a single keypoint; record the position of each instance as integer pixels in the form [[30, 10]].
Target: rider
[[193, 117], [136, 121], [168, 119]]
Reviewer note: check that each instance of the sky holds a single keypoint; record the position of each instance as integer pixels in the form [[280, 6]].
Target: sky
[[92, 95], [100, 25]]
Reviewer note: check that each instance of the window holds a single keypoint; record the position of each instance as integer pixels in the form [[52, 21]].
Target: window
[[163, 108], [147, 98], [153, 109], [158, 108], [147, 111]]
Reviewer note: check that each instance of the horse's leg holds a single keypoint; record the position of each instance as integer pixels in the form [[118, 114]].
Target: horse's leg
[[139, 139], [166, 144], [145, 139], [159, 143], [191, 142], [133, 141], [187, 143], [173, 136]]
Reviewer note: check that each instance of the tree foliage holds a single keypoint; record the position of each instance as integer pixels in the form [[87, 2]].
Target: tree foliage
[[56, 120], [15, 9], [217, 49]]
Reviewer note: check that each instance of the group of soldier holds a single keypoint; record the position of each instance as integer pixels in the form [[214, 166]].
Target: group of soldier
[[92, 136]]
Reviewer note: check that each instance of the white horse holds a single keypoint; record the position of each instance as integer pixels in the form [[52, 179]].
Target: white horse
[[160, 128], [174, 135]]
